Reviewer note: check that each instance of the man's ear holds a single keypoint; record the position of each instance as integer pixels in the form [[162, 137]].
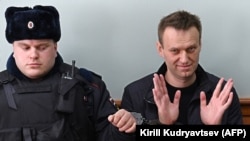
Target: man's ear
[[56, 46], [56, 50], [159, 48]]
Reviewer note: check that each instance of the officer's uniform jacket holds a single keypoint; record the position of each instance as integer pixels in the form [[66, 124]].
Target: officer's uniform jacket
[[68, 104]]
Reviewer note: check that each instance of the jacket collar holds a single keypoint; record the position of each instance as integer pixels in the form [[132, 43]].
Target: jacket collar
[[13, 69]]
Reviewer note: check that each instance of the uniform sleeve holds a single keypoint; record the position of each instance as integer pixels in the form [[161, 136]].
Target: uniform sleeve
[[103, 107]]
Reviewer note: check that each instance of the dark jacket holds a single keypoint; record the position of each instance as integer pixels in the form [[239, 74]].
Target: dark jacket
[[138, 97], [56, 107]]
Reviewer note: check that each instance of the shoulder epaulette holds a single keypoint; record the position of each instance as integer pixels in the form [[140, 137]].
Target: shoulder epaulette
[[87, 74], [5, 77]]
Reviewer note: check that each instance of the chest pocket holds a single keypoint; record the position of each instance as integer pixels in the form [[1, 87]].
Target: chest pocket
[[67, 95]]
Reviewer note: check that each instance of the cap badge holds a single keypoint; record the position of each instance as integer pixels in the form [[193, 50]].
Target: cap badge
[[30, 25]]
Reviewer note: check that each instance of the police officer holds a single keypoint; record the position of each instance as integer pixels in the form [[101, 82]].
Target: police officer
[[44, 99]]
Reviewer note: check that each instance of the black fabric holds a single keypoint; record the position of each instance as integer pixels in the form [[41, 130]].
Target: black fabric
[[62, 112], [9, 91], [186, 95], [86, 121], [39, 22], [138, 97]]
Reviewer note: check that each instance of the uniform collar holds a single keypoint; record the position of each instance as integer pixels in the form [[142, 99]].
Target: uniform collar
[[13, 69]]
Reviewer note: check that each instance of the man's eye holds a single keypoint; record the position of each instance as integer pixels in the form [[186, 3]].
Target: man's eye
[[25, 48], [192, 49], [174, 51], [42, 47]]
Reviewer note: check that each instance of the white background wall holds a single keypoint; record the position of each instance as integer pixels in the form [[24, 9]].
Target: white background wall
[[116, 38]]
